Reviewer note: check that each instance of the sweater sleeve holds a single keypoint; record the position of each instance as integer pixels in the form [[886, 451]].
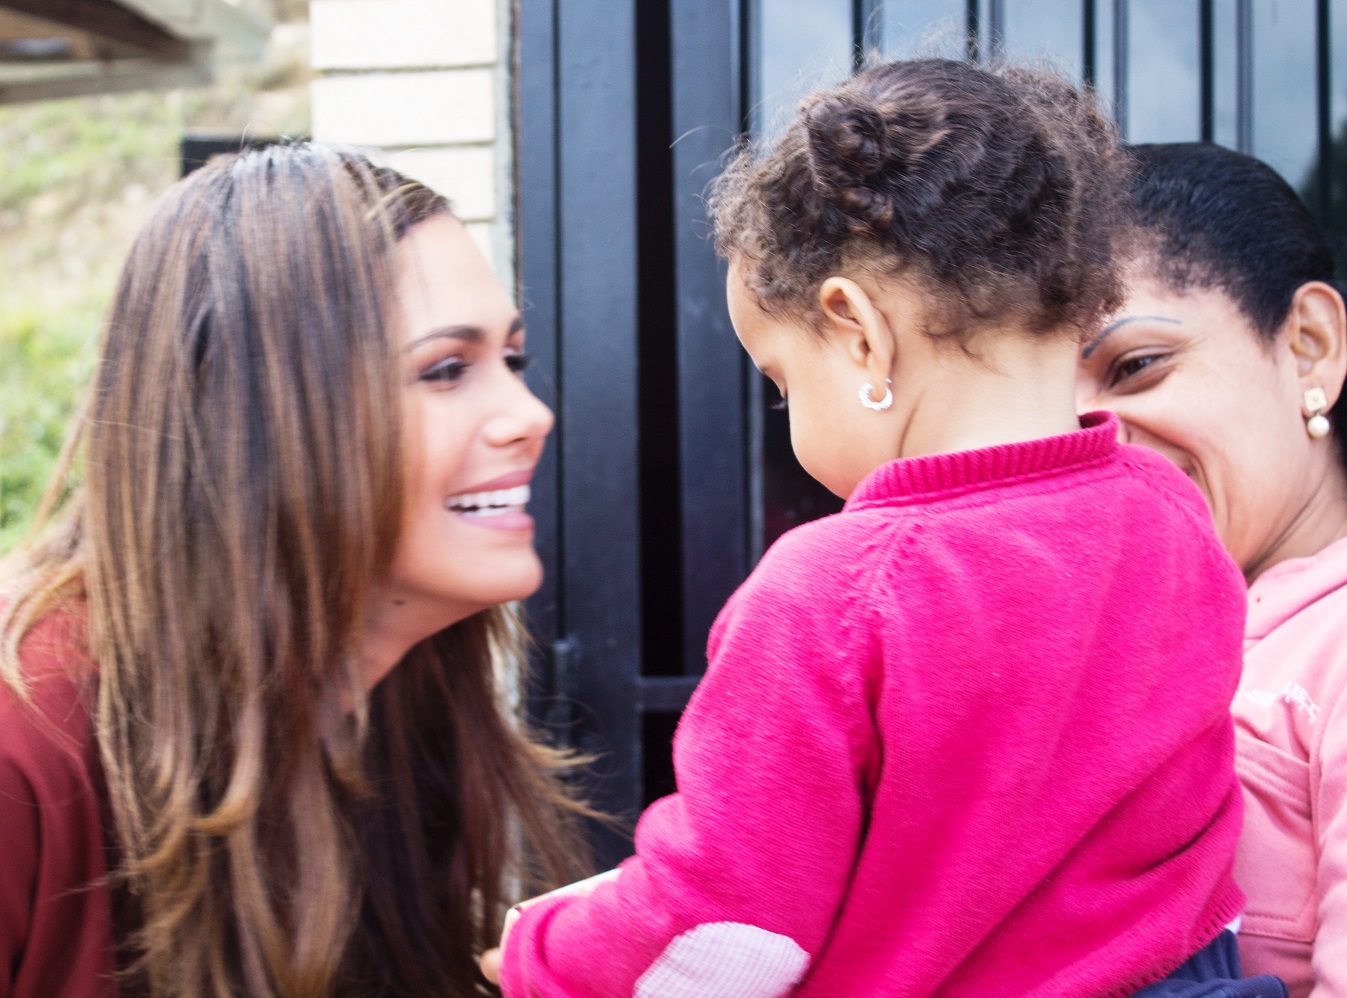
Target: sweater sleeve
[[55, 915], [1330, 812], [738, 876], [18, 871]]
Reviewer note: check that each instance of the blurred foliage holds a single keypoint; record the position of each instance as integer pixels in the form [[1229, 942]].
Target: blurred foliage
[[76, 179], [44, 361], [97, 145]]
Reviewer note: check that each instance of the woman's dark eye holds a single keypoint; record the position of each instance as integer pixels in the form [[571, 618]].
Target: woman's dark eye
[[444, 372], [1129, 367], [519, 362]]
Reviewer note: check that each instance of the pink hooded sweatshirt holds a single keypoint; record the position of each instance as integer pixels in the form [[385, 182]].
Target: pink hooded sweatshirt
[[1291, 754]]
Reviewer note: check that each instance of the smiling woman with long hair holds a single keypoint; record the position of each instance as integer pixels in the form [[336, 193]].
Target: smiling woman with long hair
[[251, 733]]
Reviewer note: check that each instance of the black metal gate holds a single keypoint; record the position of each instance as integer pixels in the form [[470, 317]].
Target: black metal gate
[[667, 476]]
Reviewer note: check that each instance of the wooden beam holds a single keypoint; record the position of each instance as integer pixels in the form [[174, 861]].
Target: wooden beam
[[82, 46], [109, 20], [110, 78]]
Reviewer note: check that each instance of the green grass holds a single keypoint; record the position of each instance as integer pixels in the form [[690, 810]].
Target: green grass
[[44, 362], [83, 150], [76, 179]]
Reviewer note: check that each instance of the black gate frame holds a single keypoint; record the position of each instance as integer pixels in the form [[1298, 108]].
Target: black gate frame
[[649, 498], [647, 472]]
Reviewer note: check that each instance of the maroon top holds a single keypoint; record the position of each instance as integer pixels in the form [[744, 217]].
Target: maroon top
[[55, 908]]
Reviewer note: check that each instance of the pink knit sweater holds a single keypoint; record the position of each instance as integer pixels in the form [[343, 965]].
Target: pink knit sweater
[[1291, 754], [970, 736]]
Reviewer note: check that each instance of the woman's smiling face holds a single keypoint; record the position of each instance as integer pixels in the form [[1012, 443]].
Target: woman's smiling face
[[1189, 377], [473, 433]]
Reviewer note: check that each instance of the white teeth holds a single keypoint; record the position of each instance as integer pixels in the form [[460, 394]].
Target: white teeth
[[489, 503]]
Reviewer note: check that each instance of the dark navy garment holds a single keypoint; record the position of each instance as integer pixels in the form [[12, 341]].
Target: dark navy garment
[[1214, 973]]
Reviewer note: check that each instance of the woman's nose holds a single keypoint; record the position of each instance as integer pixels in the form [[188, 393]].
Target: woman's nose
[[523, 417]]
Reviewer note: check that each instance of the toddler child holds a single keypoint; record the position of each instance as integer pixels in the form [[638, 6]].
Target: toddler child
[[970, 736]]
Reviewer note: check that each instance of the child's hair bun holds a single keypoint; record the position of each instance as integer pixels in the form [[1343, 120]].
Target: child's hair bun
[[998, 188], [847, 143], [856, 152]]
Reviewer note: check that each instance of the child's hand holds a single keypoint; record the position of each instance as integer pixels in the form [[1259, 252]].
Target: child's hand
[[492, 959]]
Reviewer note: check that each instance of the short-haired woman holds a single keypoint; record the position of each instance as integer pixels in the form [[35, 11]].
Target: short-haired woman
[[1228, 358]]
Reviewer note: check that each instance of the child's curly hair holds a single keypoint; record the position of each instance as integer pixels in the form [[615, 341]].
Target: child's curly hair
[[999, 189]]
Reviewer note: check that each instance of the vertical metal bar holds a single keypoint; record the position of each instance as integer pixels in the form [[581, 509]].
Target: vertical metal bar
[[538, 275], [996, 35], [755, 492], [858, 34], [974, 29], [657, 297], [1120, 46], [867, 29], [1087, 42], [711, 364], [741, 40], [598, 320], [1206, 41], [1324, 96], [750, 60], [1244, 76]]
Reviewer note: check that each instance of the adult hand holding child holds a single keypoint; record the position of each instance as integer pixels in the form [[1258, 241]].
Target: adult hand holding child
[[491, 960]]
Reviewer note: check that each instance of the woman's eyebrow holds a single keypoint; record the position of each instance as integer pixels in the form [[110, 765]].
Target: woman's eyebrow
[[467, 334], [1102, 335]]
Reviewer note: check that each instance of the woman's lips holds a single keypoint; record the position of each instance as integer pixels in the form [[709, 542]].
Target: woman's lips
[[514, 519], [521, 477], [497, 508]]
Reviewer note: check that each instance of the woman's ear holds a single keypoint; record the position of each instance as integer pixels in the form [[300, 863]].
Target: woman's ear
[[1317, 335], [853, 321]]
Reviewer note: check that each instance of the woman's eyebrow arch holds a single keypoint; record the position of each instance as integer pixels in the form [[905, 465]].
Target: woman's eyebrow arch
[[467, 334], [1102, 335]]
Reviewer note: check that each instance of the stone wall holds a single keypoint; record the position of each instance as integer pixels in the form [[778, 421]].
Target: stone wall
[[424, 86]]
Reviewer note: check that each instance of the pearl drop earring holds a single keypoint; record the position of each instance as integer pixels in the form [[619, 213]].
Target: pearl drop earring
[[1316, 423], [883, 403]]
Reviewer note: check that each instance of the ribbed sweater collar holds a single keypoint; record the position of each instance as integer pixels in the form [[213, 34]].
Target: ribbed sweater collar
[[917, 478]]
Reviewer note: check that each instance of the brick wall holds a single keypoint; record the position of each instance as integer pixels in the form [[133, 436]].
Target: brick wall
[[423, 85]]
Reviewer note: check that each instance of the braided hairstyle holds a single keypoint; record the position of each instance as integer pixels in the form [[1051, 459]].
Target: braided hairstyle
[[998, 189]]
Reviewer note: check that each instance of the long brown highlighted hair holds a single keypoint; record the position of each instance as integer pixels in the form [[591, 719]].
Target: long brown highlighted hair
[[282, 831]]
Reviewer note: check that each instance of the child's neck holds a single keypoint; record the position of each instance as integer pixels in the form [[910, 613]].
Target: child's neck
[[1013, 388]]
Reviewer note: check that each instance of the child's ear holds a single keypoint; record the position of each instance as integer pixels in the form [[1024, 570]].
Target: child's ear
[[853, 321]]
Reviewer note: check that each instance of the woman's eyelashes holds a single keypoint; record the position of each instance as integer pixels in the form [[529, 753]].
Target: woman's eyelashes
[[1137, 372], [448, 371], [518, 362], [452, 370]]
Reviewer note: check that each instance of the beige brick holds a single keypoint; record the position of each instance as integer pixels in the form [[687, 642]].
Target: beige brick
[[481, 235], [402, 34], [406, 109], [466, 175]]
